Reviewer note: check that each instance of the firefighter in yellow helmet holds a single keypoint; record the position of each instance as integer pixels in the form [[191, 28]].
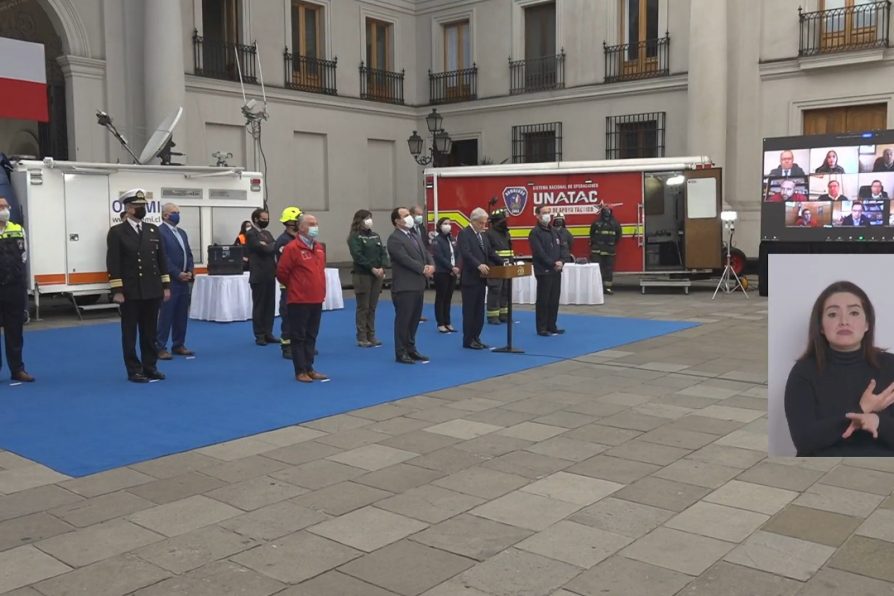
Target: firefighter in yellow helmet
[[498, 289], [289, 219]]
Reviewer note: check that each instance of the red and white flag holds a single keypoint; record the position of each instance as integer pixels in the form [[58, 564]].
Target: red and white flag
[[23, 80]]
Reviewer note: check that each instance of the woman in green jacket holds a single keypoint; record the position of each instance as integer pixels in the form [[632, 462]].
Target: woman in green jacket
[[370, 259]]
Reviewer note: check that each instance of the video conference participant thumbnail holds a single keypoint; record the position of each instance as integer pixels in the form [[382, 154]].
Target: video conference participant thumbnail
[[781, 190], [808, 214]]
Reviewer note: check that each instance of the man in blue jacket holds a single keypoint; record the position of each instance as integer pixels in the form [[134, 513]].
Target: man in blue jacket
[[174, 314], [546, 251]]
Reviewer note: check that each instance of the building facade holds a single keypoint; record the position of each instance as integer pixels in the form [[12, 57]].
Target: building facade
[[347, 82]]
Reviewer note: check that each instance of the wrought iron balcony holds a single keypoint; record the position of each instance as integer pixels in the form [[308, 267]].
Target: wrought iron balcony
[[381, 85], [453, 86], [313, 75], [857, 27], [537, 74], [218, 59], [642, 60]]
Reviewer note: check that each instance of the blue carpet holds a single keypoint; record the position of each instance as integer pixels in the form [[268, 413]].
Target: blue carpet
[[83, 417]]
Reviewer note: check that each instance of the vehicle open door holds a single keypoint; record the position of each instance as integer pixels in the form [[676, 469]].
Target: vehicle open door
[[702, 225]]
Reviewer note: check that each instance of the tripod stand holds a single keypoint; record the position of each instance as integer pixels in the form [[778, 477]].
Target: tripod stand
[[726, 279]]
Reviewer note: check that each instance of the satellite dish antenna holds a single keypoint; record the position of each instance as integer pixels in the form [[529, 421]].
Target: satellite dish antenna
[[160, 137]]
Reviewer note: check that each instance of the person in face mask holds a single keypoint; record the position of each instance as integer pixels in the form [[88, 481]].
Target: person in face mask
[[444, 253], [140, 281], [262, 277], [498, 289], [546, 251], [370, 260], [605, 234], [418, 213], [13, 293], [411, 266], [302, 269], [565, 236], [289, 220], [174, 313]]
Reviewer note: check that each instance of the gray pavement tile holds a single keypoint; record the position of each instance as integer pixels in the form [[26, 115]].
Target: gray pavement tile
[[879, 525], [30, 528], [23, 592], [650, 453], [215, 579], [106, 482], [341, 498], [709, 391], [492, 445], [746, 402], [866, 556], [619, 576], [832, 582], [472, 536], [382, 412], [819, 464], [35, 500], [174, 465], [633, 420], [782, 555], [529, 465], [297, 557], [9, 460], [274, 521], [25, 565], [499, 417], [244, 469], [398, 426], [684, 401], [754, 497], [89, 545], [349, 439], [593, 409], [289, 435], [746, 440], [399, 477], [111, 577], [677, 551], [174, 488], [727, 456], [429, 567], [880, 464], [625, 518], [339, 423], [194, 549], [368, 528], [663, 410], [15, 480], [536, 406], [525, 510], [255, 493], [372, 457], [475, 404], [180, 517], [518, 573], [102, 508], [420, 441], [565, 419], [664, 494], [296, 455], [733, 580], [317, 474], [887, 503], [624, 399], [573, 488], [429, 503], [463, 429], [674, 437], [698, 473], [717, 521], [860, 479], [727, 412], [335, 583], [613, 468], [532, 431], [813, 525], [565, 448], [457, 588], [577, 544], [839, 500], [437, 415], [481, 482], [448, 460]]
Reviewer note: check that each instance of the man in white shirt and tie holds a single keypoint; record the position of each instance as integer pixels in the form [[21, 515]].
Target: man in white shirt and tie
[[174, 314]]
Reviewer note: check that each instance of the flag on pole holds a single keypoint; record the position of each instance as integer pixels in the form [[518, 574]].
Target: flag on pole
[[23, 80]]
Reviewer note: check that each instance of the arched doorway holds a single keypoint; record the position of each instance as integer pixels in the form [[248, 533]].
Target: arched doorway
[[26, 20]]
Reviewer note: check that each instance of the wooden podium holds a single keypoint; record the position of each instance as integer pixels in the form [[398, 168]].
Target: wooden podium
[[508, 272]]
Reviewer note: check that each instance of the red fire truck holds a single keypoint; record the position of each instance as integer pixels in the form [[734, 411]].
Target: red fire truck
[[669, 208]]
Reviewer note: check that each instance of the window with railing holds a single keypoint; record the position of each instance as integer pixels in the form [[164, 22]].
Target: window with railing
[[224, 60], [381, 85], [313, 75], [537, 74], [456, 85], [639, 60], [844, 25], [634, 135], [532, 143]]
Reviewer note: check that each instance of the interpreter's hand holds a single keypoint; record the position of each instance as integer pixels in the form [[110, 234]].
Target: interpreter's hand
[[876, 402], [118, 298], [167, 295], [428, 270], [868, 422], [455, 271], [184, 276], [484, 269]]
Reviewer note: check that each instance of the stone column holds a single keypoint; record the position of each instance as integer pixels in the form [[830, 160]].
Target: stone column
[[707, 92], [84, 93], [163, 68]]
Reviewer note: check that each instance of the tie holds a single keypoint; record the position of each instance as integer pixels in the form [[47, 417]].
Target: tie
[[140, 229], [480, 240], [415, 240], [785, 173]]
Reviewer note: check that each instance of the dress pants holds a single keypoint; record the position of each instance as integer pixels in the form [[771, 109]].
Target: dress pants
[[263, 305], [367, 288], [173, 316], [285, 333], [304, 324], [139, 316], [407, 312], [473, 311], [12, 316], [444, 284], [549, 287]]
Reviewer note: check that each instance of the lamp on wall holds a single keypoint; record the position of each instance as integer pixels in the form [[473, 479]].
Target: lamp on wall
[[441, 143]]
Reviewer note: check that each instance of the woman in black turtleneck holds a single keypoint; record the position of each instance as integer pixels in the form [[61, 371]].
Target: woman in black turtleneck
[[839, 393]]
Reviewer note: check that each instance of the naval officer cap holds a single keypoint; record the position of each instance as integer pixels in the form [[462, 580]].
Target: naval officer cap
[[134, 196]]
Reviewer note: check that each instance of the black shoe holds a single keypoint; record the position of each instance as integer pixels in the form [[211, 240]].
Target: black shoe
[[503, 319], [260, 340], [405, 359], [608, 291], [474, 346], [138, 378], [155, 375], [493, 321], [543, 334], [557, 332], [271, 339], [481, 343], [418, 357], [450, 328], [164, 355]]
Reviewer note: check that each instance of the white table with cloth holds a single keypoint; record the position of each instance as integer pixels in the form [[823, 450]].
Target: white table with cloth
[[581, 284], [227, 298]]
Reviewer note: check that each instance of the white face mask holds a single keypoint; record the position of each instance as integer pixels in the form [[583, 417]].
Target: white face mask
[[417, 219], [368, 223], [545, 218], [409, 221], [446, 228], [313, 231], [4, 215]]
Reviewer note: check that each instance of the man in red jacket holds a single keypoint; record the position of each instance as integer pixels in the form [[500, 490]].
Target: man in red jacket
[[302, 270]]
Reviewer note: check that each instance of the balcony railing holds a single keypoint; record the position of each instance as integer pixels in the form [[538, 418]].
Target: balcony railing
[[538, 74], [642, 60], [857, 27], [381, 85], [217, 59], [313, 75], [456, 85]]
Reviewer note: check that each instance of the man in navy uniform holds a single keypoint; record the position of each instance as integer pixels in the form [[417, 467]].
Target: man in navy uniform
[[546, 250], [139, 279], [174, 313]]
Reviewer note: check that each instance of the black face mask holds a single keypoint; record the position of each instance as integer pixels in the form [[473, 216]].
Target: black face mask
[[500, 225], [139, 212], [263, 224]]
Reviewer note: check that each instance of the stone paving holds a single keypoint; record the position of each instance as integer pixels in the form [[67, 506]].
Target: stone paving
[[635, 471]]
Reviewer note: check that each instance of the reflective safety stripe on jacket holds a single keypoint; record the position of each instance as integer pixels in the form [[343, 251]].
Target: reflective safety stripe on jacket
[[13, 254]]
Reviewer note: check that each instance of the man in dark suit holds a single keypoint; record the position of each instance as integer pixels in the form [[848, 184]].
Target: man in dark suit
[[856, 218], [476, 255], [174, 313], [421, 229], [139, 279], [262, 277], [546, 252], [411, 266], [787, 166]]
